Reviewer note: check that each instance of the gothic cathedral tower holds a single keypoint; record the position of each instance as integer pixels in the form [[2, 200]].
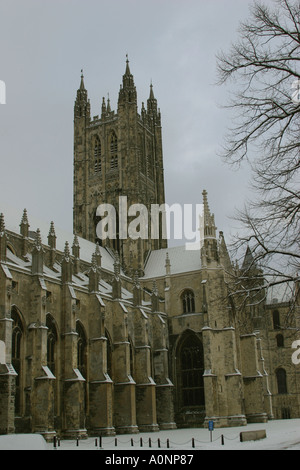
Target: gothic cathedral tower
[[118, 154]]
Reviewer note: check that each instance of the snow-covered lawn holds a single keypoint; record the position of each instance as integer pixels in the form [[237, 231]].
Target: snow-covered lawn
[[281, 434]]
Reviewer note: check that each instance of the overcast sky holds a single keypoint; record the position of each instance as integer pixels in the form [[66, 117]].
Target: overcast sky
[[44, 46]]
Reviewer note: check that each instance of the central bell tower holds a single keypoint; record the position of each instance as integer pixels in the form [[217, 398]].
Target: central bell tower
[[118, 155]]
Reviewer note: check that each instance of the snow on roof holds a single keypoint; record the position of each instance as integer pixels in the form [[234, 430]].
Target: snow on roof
[[12, 219], [181, 261]]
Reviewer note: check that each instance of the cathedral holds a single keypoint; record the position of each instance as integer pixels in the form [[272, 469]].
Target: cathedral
[[104, 336]]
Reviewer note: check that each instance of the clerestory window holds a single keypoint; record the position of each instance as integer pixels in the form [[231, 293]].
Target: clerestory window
[[188, 301]]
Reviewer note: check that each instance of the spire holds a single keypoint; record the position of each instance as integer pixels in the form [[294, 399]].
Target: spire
[[66, 265], [82, 104], [137, 290], [249, 262], [67, 252], [76, 254], [209, 219], [24, 225], [103, 108], [37, 255], [127, 71], [127, 92], [24, 231], [98, 255], [152, 106], [52, 236], [94, 275], [82, 87], [151, 97], [152, 101], [3, 239], [209, 249], [76, 247]]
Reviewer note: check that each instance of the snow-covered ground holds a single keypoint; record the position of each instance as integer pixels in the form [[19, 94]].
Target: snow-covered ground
[[281, 435]]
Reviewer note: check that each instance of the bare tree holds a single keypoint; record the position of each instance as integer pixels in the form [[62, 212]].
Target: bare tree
[[264, 66]]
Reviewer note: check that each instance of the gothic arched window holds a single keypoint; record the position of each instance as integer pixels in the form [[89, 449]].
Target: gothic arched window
[[108, 354], [113, 151], [97, 155], [51, 343], [188, 301], [16, 355], [131, 352], [190, 371], [276, 320], [280, 341], [81, 349], [281, 381]]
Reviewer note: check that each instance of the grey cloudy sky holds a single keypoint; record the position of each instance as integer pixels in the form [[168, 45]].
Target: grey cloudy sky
[[44, 45]]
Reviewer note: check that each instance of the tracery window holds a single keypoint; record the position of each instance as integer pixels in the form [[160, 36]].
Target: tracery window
[[188, 301], [51, 343], [97, 155], [113, 151], [16, 354], [108, 355], [191, 363], [81, 349]]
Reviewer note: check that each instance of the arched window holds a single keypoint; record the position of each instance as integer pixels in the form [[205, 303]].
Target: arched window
[[108, 354], [188, 301], [280, 341], [131, 358], [142, 156], [276, 320], [51, 343], [97, 155], [81, 349], [190, 369], [113, 151], [281, 381], [16, 355]]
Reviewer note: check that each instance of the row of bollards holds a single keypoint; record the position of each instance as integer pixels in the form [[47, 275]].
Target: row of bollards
[[56, 442], [142, 442]]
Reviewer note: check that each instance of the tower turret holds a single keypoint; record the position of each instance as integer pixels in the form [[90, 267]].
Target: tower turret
[[209, 250], [82, 104], [127, 92]]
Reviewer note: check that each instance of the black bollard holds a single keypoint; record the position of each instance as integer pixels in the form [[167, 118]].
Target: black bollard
[[193, 442], [158, 442], [168, 443], [222, 440]]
